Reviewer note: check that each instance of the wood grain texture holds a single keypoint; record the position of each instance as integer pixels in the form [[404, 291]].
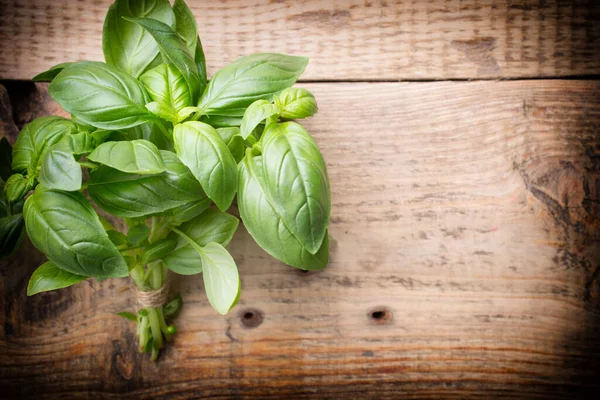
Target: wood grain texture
[[345, 40], [464, 264]]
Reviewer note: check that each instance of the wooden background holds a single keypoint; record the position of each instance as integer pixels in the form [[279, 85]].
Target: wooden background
[[463, 144]]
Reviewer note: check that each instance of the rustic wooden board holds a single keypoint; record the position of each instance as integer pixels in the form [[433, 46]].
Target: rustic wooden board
[[464, 263], [346, 40]]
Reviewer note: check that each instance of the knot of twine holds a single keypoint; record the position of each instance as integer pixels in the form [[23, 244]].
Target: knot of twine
[[153, 298]]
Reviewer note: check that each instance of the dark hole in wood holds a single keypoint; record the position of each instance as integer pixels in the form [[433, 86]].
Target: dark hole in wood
[[381, 315], [251, 318]]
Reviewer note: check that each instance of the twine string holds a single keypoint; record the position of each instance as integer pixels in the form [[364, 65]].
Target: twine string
[[153, 298]]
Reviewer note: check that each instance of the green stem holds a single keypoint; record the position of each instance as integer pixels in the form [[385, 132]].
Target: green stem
[[157, 338]]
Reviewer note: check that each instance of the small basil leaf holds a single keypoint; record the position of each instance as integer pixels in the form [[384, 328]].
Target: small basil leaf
[[50, 74], [127, 315], [16, 187], [202, 150], [138, 234], [34, 138], [235, 143], [126, 45], [256, 113], [150, 131], [174, 50], [101, 95], [12, 231], [135, 157], [167, 87], [266, 226], [186, 212], [220, 121], [296, 182], [65, 227], [158, 250], [133, 196], [79, 143], [118, 238], [162, 111], [185, 26], [259, 76], [50, 277], [5, 159], [172, 307], [210, 226], [296, 103], [221, 277], [60, 170]]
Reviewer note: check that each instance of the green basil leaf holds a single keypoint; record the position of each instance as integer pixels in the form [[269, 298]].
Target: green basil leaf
[[178, 215], [135, 157], [259, 76], [50, 277], [12, 231], [172, 307], [16, 187], [118, 238], [266, 226], [185, 26], [256, 113], [296, 182], [65, 227], [151, 132], [162, 111], [167, 87], [133, 196], [174, 50], [50, 74], [219, 121], [202, 150], [5, 159], [138, 234], [78, 143], [296, 103], [221, 277], [126, 45], [211, 226], [101, 95], [234, 141], [60, 170], [158, 250], [34, 138], [127, 315]]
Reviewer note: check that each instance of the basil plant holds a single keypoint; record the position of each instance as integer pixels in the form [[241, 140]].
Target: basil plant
[[154, 143]]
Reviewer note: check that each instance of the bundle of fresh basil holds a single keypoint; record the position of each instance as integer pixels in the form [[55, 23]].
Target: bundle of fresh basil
[[161, 144]]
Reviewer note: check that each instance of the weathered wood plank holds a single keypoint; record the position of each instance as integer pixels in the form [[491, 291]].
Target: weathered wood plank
[[464, 263], [346, 40]]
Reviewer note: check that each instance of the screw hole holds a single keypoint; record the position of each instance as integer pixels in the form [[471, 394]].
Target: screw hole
[[251, 318], [381, 315]]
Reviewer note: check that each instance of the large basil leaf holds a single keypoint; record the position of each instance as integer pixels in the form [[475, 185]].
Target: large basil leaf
[[126, 45], [133, 196], [50, 74], [166, 86], [234, 141], [34, 138], [174, 50], [296, 103], [202, 150], [101, 95], [295, 180], [210, 226], [135, 157], [65, 227], [185, 26], [12, 230], [151, 132], [60, 170], [258, 76], [221, 277], [256, 113], [266, 226], [49, 277]]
